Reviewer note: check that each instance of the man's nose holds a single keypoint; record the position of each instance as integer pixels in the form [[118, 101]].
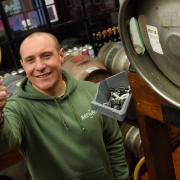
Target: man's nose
[[39, 64]]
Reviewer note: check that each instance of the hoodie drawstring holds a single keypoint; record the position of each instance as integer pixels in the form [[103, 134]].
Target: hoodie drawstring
[[61, 116]]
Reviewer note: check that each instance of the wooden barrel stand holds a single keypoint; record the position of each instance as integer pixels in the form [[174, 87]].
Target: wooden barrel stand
[[158, 136]]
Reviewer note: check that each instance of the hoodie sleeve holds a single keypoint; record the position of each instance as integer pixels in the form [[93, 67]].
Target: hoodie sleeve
[[10, 130], [115, 149]]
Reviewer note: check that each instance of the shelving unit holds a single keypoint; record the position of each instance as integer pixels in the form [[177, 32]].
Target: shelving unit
[[65, 19]]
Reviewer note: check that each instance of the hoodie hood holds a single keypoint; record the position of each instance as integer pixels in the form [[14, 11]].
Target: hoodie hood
[[27, 91]]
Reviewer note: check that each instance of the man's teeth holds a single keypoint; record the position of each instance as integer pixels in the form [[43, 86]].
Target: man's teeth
[[43, 75]]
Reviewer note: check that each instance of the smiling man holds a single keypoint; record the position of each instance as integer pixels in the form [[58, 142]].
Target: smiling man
[[51, 122], [41, 58]]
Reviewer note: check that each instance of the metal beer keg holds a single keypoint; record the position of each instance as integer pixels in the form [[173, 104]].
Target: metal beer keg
[[159, 24]]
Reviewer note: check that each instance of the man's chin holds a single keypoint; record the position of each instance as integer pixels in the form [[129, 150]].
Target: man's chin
[[42, 88]]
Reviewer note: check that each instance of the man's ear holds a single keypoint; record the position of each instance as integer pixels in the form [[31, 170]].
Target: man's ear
[[61, 55], [21, 61]]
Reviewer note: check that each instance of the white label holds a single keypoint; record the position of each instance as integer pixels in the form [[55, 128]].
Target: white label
[[154, 39]]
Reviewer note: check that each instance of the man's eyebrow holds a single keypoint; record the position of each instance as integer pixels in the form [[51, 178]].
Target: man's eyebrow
[[31, 57], [46, 52]]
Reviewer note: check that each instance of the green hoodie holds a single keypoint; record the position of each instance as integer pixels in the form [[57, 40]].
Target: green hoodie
[[62, 137]]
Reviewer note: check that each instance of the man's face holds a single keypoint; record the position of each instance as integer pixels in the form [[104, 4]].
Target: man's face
[[42, 61]]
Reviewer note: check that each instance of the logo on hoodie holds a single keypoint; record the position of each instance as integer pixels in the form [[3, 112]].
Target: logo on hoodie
[[88, 115]]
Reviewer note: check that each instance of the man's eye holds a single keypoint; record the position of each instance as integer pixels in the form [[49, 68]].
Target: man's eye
[[29, 60], [46, 56]]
